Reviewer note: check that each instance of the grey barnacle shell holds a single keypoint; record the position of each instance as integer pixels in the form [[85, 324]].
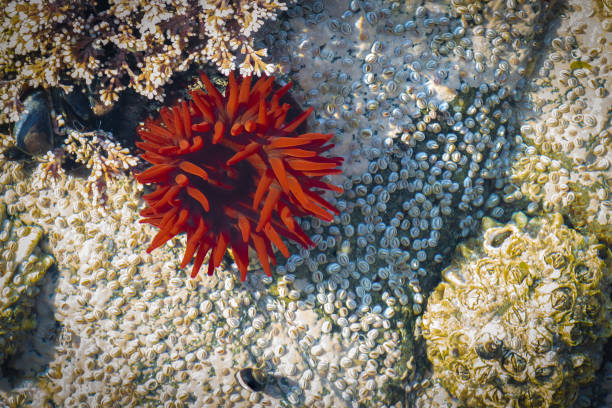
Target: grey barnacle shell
[[514, 363], [489, 347], [562, 298], [540, 340]]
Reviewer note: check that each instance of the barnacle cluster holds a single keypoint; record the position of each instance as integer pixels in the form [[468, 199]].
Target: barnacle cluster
[[521, 316], [567, 166], [22, 266], [10, 171], [117, 44], [432, 394]]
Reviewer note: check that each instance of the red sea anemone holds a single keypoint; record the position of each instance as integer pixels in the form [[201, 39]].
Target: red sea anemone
[[230, 172]]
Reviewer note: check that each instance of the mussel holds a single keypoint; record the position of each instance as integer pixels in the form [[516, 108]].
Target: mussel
[[76, 105], [33, 131], [252, 379]]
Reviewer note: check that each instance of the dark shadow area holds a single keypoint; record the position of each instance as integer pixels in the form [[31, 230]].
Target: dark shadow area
[[278, 386], [38, 346]]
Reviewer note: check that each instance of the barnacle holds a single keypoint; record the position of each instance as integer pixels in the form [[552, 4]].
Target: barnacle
[[521, 327]]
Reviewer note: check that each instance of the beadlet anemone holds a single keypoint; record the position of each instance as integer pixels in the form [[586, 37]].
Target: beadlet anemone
[[231, 173]]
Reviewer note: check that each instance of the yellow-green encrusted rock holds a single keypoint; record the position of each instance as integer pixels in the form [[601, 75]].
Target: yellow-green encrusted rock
[[22, 265], [521, 316]]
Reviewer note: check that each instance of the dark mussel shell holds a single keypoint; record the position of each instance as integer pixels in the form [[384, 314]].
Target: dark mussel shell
[[33, 131], [252, 379], [76, 104]]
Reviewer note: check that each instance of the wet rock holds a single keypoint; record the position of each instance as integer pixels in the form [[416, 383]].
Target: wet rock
[[23, 265]]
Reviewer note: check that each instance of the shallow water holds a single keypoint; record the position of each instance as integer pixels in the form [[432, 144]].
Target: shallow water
[[441, 118]]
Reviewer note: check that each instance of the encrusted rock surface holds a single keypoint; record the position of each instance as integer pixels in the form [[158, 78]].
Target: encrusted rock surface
[[422, 98], [566, 122], [522, 315], [23, 264]]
